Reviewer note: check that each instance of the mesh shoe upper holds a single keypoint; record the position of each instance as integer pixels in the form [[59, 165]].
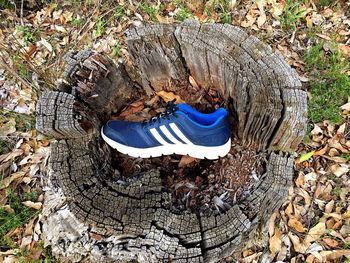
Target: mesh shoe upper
[[184, 125]]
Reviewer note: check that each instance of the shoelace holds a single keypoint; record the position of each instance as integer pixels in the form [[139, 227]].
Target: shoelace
[[169, 109]]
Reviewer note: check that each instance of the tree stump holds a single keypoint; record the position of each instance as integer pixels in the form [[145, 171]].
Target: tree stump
[[90, 215]]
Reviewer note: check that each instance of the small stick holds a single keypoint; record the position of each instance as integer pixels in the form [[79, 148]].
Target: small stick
[[21, 13]]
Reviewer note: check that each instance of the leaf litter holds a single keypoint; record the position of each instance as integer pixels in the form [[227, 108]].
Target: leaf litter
[[313, 225], [200, 186]]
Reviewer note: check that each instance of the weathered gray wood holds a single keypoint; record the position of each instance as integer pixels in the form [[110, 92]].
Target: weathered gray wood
[[100, 84], [95, 215], [157, 58], [224, 57]]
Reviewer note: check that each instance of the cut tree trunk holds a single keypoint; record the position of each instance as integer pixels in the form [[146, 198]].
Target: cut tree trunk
[[90, 216]]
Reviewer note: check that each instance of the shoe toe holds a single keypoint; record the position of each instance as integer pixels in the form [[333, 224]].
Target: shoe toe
[[115, 130]]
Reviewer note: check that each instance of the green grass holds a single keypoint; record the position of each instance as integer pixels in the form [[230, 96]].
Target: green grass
[[47, 252], [10, 220], [24, 122], [345, 156], [323, 2], [329, 83], [119, 12], [337, 190], [5, 146], [117, 50], [29, 35], [150, 10], [292, 15], [183, 13], [78, 22], [6, 4], [101, 27]]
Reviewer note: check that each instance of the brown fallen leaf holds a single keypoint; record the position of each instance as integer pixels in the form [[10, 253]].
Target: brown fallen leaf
[[132, 108], [300, 179], [334, 254], [26, 241], [345, 49], [193, 82], [8, 127], [330, 242], [275, 242], [271, 224], [296, 224], [29, 227], [321, 151], [315, 233], [36, 205], [165, 20], [95, 236], [186, 160], [8, 180], [329, 207], [11, 155], [339, 169], [262, 17], [297, 245], [277, 8], [251, 258], [169, 96]]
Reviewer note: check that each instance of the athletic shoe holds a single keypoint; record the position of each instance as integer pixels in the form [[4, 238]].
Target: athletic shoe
[[180, 129]]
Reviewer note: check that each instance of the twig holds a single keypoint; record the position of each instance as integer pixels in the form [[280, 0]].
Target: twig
[[87, 22], [15, 74], [22, 1]]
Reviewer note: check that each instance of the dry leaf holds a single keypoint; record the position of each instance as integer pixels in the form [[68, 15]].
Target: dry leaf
[[335, 234], [339, 169], [322, 151], [251, 258], [297, 245], [296, 224], [8, 127], [271, 225], [26, 241], [169, 96], [29, 227], [346, 106], [193, 82], [277, 8], [132, 109], [95, 236], [315, 233], [186, 160], [330, 242], [335, 254], [300, 179], [262, 18], [329, 206], [45, 44], [250, 20], [345, 49], [8, 180], [36, 205], [316, 130], [165, 19], [275, 242]]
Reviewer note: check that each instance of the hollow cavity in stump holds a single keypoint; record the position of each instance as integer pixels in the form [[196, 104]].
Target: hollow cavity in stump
[[199, 186]]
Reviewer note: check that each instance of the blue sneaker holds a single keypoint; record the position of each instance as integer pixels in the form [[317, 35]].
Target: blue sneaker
[[180, 129]]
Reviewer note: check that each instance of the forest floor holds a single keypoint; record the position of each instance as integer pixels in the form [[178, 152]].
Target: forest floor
[[313, 225]]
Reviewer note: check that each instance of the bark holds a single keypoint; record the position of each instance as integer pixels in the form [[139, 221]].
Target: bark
[[94, 216]]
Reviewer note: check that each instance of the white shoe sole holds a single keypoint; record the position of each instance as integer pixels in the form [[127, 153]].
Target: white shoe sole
[[196, 151]]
